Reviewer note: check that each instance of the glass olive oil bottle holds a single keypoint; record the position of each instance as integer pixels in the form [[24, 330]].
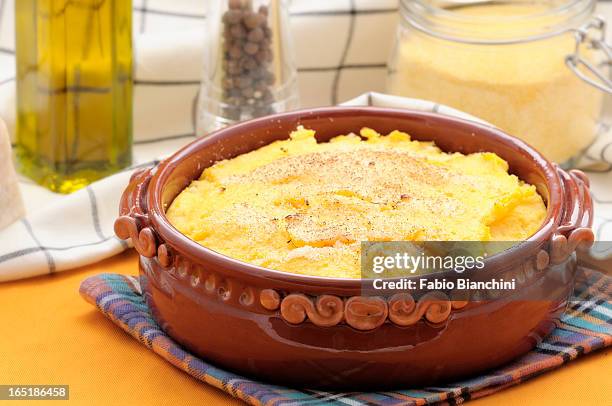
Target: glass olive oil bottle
[[74, 90]]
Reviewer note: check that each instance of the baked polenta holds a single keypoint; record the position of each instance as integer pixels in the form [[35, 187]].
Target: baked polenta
[[304, 207]]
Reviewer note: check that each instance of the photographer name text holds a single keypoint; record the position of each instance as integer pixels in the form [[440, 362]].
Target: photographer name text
[[443, 284]]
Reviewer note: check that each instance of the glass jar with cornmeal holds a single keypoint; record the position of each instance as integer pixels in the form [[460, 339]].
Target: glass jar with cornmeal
[[532, 68]]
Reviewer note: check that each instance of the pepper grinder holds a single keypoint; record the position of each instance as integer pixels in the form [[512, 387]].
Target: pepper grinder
[[249, 63]]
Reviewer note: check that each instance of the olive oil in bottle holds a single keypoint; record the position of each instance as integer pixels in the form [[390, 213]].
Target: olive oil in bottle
[[74, 90]]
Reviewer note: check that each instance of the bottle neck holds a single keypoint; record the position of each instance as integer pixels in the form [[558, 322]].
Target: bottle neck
[[495, 22]]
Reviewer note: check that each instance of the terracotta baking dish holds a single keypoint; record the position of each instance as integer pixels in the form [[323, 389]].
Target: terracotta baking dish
[[323, 332]]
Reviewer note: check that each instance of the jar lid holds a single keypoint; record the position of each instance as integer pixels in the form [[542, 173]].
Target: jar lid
[[495, 22]]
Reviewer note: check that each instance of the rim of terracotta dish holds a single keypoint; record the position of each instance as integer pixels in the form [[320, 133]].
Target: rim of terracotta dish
[[203, 254]]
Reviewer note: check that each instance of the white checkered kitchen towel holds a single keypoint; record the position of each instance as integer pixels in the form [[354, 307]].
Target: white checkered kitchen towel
[[342, 48]]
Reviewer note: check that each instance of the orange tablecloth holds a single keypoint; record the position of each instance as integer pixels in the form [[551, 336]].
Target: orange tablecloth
[[51, 336]]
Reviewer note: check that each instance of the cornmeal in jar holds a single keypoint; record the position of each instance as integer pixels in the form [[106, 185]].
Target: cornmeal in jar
[[525, 89], [304, 207]]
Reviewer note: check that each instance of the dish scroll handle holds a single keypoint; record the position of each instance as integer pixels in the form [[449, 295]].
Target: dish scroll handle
[[133, 221], [574, 232]]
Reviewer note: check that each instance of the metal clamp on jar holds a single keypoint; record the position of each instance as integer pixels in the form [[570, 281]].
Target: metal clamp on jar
[[538, 70], [593, 36]]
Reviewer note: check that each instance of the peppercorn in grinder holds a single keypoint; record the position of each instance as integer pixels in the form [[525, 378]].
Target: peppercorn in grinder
[[249, 65]]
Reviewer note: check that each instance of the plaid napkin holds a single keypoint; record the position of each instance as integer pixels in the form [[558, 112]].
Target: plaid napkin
[[586, 327]]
